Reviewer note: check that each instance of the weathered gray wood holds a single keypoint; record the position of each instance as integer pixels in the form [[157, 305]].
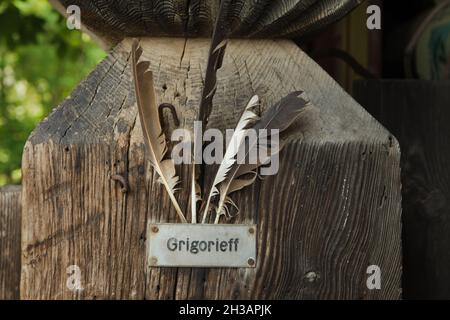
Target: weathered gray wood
[[113, 20], [332, 210], [10, 212], [418, 113]]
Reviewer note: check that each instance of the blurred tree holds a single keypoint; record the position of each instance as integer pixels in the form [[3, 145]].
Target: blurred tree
[[41, 61]]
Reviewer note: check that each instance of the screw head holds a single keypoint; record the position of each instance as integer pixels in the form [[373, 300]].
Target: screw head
[[251, 262], [251, 230], [155, 229], [154, 261]]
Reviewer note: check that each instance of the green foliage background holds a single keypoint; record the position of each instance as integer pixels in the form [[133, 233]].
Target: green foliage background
[[41, 61]]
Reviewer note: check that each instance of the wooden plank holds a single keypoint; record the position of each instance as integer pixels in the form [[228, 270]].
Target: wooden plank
[[417, 113], [337, 211], [10, 212]]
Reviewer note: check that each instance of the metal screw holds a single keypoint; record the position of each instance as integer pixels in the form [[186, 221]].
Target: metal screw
[[251, 231], [251, 262], [154, 261], [155, 229]]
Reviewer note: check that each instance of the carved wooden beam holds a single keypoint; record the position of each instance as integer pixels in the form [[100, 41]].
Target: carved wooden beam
[[113, 20]]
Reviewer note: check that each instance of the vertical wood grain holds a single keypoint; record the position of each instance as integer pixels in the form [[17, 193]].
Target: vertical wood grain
[[10, 213]]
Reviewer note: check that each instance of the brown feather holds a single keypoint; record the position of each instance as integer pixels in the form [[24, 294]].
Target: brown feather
[[215, 58], [216, 53], [153, 136]]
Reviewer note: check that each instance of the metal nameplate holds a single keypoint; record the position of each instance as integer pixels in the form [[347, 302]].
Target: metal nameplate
[[201, 245]]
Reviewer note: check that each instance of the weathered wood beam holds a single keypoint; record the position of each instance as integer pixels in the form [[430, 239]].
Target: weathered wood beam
[[418, 113], [332, 210], [10, 213], [113, 20]]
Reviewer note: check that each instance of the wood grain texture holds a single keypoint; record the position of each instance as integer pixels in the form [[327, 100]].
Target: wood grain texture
[[417, 112], [10, 213], [336, 211], [113, 20]]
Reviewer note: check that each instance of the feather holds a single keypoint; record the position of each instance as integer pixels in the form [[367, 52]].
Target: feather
[[154, 138], [247, 119], [228, 187], [215, 58], [280, 116]]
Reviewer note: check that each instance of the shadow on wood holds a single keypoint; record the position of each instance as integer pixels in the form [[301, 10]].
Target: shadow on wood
[[332, 210], [417, 112]]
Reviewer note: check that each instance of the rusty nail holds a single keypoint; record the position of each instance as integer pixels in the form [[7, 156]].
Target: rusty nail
[[123, 182], [251, 262], [155, 229], [169, 106]]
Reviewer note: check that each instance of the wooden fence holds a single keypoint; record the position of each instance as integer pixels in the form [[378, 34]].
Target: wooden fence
[[10, 213]]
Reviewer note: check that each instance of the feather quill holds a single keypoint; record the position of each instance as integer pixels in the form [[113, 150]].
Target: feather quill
[[280, 116], [247, 119], [196, 192], [154, 138], [196, 196]]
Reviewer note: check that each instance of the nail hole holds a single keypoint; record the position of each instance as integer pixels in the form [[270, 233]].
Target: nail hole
[[312, 276]]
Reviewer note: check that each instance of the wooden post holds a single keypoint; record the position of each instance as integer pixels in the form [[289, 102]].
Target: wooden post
[[332, 211], [417, 112], [10, 212]]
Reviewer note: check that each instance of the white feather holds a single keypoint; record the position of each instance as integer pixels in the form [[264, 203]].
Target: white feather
[[233, 147]]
